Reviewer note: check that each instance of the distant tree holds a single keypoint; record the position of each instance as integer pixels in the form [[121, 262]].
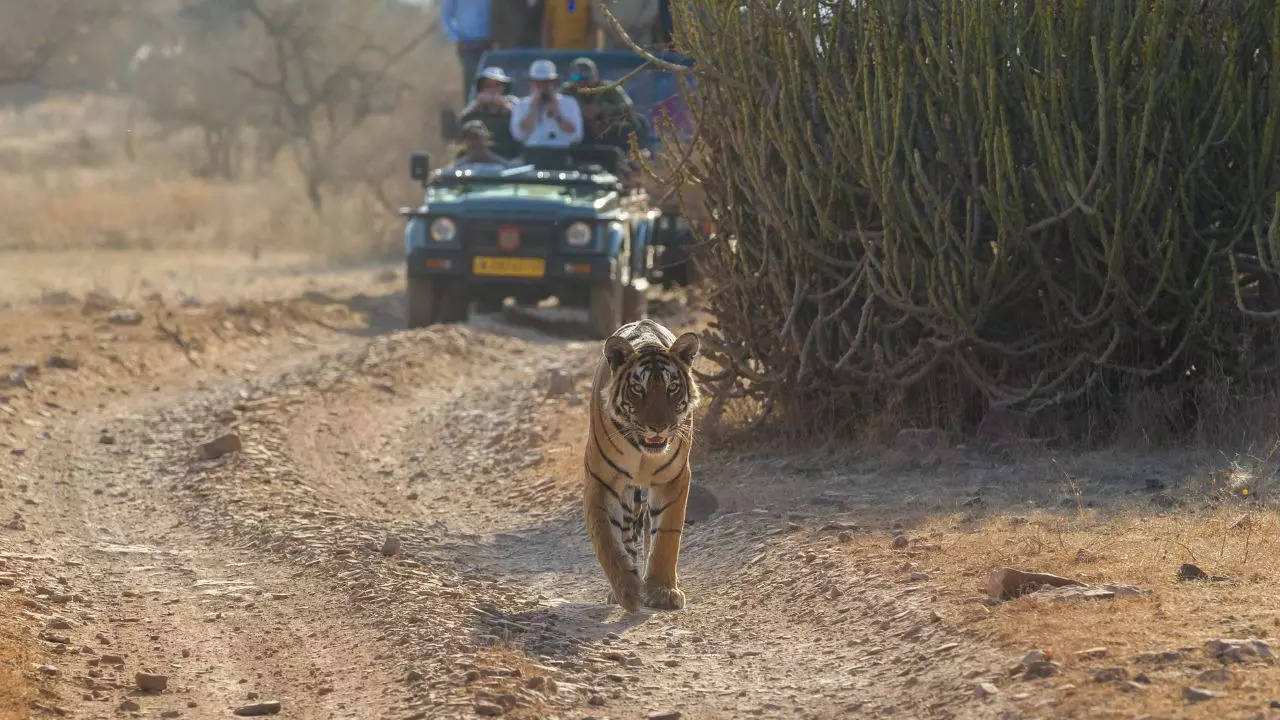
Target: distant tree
[[328, 67], [39, 37]]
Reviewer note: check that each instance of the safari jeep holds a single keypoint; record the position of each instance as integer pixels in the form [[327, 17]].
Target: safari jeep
[[561, 225]]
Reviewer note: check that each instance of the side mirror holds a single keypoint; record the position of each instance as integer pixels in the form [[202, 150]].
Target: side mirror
[[419, 167], [450, 129]]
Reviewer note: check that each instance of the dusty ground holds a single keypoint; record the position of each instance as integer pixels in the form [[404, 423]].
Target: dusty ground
[[400, 535]]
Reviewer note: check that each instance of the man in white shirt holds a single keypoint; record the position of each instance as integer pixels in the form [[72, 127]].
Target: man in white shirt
[[546, 118]]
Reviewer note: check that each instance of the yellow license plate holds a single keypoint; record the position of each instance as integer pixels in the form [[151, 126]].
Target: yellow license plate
[[509, 266]]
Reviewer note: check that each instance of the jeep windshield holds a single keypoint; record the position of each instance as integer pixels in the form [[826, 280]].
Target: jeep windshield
[[584, 195]]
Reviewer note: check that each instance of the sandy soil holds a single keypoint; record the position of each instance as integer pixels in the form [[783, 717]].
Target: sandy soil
[[399, 534]]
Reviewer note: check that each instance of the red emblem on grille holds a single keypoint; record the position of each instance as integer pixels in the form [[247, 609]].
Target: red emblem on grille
[[508, 238]]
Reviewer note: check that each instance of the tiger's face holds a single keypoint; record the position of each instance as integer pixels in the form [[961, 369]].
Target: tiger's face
[[652, 393]]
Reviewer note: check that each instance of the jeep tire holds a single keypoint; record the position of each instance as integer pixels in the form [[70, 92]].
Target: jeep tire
[[430, 302]]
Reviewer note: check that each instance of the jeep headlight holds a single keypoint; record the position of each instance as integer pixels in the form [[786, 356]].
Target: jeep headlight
[[443, 229], [578, 234]]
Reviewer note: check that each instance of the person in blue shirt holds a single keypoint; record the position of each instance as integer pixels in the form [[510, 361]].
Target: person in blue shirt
[[467, 25]]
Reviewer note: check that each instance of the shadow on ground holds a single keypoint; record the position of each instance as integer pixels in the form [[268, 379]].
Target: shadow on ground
[[381, 313], [759, 500]]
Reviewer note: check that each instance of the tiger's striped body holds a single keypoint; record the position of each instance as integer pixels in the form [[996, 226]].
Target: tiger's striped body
[[637, 461]]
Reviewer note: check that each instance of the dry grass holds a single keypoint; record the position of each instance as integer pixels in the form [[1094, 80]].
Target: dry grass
[[1122, 541], [65, 184]]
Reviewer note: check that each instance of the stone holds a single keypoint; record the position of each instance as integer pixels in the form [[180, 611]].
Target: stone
[[488, 709], [1157, 658], [1238, 650], [1043, 669], [1214, 675], [984, 690], [124, 316], [148, 682], [900, 541], [221, 445], [62, 362], [1194, 694], [270, 707], [1189, 571], [1034, 656], [1008, 583], [391, 546], [1110, 674]]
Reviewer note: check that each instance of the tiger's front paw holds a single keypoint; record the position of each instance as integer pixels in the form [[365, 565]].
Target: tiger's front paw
[[663, 598], [628, 596]]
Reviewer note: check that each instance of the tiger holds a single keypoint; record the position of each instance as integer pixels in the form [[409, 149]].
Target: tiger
[[636, 484]]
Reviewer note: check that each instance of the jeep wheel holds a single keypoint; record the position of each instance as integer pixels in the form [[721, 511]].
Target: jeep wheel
[[421, 297], [455, 305], [605, 312], [635, 304], [431, 301]]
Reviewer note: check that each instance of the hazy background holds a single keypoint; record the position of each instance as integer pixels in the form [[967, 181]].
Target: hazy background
[[248, 124]]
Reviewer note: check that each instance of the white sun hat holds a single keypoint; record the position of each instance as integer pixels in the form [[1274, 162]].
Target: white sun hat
[[542, 70], [495, 73]]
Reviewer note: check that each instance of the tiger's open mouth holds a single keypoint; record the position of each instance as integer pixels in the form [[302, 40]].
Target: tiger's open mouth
[[654, 442]]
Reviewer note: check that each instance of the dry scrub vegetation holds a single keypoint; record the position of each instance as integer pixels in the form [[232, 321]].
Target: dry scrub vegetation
[[270, 124]]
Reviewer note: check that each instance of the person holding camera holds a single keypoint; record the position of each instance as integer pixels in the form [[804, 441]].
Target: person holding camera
[[545, 118], [493, 106]]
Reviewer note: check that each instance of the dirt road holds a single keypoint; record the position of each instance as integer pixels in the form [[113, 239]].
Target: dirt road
[[391, 527], [399, 535]]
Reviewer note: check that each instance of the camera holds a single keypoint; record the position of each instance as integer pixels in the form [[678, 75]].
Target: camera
[[544, 95]]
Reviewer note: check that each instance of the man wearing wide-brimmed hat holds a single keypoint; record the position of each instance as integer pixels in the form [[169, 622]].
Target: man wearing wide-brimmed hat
[[477, 142], [546, 118], [493, 105]]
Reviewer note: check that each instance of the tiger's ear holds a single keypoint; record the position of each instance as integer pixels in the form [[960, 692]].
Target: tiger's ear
[[616, 351], [686, 347]]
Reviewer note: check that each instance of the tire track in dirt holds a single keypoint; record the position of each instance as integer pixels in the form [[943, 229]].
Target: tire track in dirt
[[135, 589], [401, 537], [451, 460]]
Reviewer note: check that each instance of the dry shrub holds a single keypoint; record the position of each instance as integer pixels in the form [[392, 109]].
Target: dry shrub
[[940, 207], [131, 165]]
